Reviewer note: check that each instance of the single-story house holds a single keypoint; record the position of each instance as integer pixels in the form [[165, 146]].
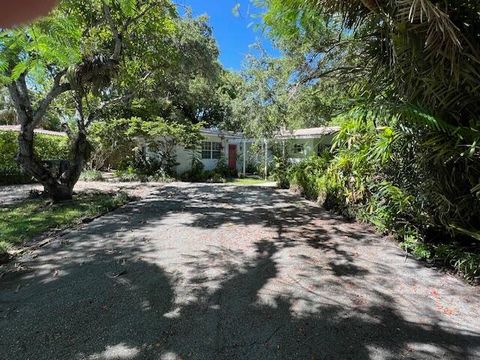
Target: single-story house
[[302, 143], [239, 151]]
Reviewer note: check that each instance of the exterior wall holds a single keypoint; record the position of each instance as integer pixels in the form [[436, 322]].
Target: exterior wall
[[184, 157], [310, 147]]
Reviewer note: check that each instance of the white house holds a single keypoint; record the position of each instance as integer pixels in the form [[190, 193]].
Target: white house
[[239, 151], [303, 143], [216, 144]]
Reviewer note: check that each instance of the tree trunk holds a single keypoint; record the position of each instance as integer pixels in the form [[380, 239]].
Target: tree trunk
[[59, 192], [58, 188]]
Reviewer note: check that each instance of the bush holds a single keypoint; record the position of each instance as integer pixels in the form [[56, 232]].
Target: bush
[[14, 176], [280, 171], [91, 175], [224, 170], [47, 147], [196, 174], [129, 175], [307, 175], [219, 175], [413, 183]]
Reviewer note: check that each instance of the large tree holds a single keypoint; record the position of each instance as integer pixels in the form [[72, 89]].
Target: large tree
[[408, 64], [423, 52], [80, 54]]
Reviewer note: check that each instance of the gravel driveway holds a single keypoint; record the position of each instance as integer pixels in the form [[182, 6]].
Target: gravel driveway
[[226, 272], [15, 193]]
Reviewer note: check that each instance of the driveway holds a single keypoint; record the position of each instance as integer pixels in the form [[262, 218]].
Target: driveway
[[11, 194], [225, 272]]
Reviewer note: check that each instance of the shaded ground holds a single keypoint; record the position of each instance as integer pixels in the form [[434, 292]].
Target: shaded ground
[[225, 272], [15, 193]]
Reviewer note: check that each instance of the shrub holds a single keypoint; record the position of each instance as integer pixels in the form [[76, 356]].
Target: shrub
[[129, 175], [224, 170], [307, 175], [280, 171], [218, 175], [91, 175], [196, 172], [415, 183]]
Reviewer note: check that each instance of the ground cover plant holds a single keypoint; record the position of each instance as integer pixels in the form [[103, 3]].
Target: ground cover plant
[[27, 220]]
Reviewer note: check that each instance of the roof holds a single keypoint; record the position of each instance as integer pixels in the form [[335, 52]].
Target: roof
[[16, 128], [221, 133], [308, 133]]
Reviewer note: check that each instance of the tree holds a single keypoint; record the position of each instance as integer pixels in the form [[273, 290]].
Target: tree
[[422, 52], [410, 65], [77, 51], [177, 82]]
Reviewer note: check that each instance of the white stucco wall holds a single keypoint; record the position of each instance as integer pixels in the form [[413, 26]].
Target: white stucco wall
[[184, 157], [310, 147]]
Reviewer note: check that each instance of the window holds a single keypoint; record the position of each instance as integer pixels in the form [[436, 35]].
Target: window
[[211, 150], [298, 148]]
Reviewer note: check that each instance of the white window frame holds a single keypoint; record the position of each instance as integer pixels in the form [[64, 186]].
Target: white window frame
[[214, 147]]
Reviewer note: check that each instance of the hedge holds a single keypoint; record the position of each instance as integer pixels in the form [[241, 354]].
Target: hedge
[[47, 147]]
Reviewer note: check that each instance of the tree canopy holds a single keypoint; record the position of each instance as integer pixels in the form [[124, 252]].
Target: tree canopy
[[109, 59]]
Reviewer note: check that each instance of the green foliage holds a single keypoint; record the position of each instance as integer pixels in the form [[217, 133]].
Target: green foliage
[[402, 75], [128, 175], [26, 220], [466, 262], [308, 175], [387, 176], [91, 175], [280, 171], [218, 175], [47, 147], [117, 145], [224, 170], [133, 60]]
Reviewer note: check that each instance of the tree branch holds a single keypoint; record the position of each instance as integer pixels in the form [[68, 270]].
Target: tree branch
[[94, 114], [117, 36], [54, 92], [139, 16]]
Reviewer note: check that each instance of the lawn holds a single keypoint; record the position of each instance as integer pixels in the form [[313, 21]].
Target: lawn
[[26, 220], [248, 181]]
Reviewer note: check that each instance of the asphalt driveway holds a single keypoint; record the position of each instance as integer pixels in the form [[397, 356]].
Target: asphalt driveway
[[225, 272]]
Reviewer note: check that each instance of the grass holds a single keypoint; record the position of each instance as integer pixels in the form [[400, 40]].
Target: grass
[[26, 220], [91, 175], [248, 181]]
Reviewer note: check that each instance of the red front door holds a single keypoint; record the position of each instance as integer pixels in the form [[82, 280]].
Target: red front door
[[232, 156]]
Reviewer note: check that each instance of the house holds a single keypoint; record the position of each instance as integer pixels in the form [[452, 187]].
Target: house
[[239, 151], [216, 145], [303, 143]]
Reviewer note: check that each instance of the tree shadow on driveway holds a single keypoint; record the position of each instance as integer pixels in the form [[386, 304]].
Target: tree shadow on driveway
[[183, 278]]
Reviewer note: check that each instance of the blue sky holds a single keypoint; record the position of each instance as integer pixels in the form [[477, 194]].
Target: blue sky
[[234, 34]]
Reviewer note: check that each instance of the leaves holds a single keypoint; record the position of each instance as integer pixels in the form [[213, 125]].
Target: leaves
[[19, 69], [128, 7]]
